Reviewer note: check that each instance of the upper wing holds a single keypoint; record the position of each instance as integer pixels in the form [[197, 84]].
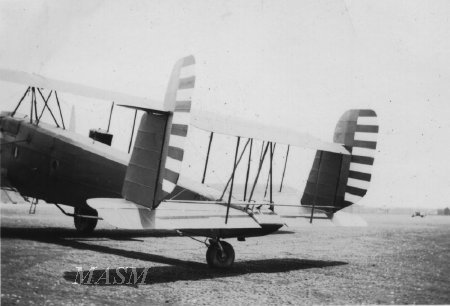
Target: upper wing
[[222, 125], [215, 123], [36, 80]]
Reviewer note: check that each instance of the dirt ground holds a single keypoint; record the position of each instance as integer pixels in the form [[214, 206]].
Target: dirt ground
[[395, 260]]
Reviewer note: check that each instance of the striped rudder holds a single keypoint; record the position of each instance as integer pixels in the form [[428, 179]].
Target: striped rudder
[[363, 126], [158, 151], [178, 97], [339, 180]]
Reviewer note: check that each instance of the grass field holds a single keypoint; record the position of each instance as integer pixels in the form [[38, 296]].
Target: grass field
[[395, 260]]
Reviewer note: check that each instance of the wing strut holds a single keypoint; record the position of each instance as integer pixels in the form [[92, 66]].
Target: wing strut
[[232, 178], [235, 166], [262, 151], [110, 116], [34, 116], [20, 101], [33, 104], [284, 170], [45, 106], [261, 161], [272, 151], [248, 168], [269, 175], [59, 107], [207, 156], [132, 130]]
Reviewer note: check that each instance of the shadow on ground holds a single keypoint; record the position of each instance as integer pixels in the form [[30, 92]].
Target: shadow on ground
[[31, 233], [174, 269], [188, 271]]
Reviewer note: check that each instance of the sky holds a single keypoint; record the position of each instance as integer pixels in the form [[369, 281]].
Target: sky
[[295, 64]]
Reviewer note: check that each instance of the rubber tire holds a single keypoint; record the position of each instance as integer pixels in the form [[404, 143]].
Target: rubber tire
[[85, 225], [214, 256]]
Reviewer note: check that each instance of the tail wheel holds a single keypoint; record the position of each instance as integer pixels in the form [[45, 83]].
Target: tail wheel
[[85, 225], [220, 256]]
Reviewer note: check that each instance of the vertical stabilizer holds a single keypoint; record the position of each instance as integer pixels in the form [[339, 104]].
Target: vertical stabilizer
[[340, 180], [158, 151]]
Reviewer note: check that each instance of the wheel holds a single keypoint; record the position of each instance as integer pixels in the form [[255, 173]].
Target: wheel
[[85, 225], [218, 259]]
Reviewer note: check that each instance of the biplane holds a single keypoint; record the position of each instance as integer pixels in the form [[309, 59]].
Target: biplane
[[147, 190], [418, 214]]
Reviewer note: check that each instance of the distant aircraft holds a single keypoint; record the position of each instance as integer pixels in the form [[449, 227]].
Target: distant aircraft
[[418, 214], [148, 191]]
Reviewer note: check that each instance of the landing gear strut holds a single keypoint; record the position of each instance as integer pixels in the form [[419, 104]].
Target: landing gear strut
[[220, 254], [82, 224]]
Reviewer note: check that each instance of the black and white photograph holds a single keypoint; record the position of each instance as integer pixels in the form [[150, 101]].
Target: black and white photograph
[[225, 152]]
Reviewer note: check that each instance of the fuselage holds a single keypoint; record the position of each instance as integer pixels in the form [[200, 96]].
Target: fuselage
[[57, 165]]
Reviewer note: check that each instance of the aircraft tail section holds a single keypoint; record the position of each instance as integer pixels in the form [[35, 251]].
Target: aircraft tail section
[[155, 163], [337, 181]]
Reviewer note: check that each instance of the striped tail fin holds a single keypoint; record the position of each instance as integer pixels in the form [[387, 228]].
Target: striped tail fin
[[179, 98], [158, 151], [338, 180]]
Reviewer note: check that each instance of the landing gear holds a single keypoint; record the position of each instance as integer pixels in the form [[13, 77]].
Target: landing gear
[[82, 224], [220, 254]]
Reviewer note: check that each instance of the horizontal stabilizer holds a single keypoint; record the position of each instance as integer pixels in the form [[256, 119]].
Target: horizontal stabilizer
[[300, 216], [123, 214], [36, 80], [170, 215]]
